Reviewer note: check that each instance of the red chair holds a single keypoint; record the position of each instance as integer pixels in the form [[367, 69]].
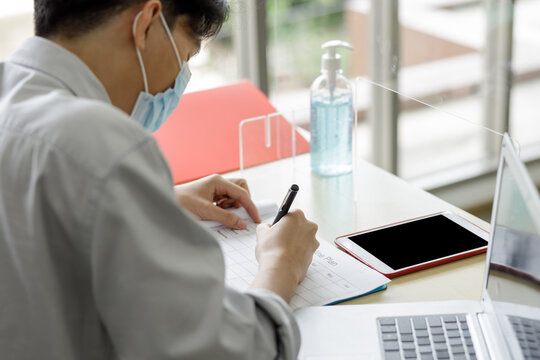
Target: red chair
[[201, 136]]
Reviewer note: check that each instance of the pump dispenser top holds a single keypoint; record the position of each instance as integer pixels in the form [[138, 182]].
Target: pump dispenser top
[[331, 60]]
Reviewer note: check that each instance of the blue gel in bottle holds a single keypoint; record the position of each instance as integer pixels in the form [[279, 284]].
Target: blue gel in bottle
[[331, 135]]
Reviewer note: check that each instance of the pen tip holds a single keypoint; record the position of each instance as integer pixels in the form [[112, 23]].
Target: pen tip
[[294, 187]]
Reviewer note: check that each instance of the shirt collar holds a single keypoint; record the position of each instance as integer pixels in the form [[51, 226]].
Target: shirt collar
[[48, 57]]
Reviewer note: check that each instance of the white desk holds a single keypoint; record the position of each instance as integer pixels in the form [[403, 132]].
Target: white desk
[[382, 199]]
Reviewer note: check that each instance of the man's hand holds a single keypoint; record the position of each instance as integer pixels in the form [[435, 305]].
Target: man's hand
[[284, 252], [209, 197]]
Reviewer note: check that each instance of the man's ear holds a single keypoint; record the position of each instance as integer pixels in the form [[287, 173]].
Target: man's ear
[[143, 20]]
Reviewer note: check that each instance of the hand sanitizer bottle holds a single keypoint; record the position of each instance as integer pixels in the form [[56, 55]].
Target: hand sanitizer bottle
[[332, 115]]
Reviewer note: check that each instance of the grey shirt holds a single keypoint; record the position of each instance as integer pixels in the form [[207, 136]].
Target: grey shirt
[[97, 259]]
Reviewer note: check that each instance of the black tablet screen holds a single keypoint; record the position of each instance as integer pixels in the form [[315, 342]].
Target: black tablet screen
[[418, 241]]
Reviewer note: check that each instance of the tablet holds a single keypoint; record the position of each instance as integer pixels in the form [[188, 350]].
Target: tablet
[[415, 244]]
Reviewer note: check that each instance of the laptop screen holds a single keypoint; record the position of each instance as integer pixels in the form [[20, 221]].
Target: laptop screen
[[513, 281]]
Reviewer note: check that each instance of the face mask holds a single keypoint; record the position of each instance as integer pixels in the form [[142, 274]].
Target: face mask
[[151, 111]]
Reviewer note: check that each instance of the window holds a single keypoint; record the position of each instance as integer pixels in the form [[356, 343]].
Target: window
[[298, 28], [452, 54], [216, 64], [16, 24], [211, 67], [524, 109]]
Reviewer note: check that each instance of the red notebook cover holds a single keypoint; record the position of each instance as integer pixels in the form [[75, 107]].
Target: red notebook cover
[[201, 136]]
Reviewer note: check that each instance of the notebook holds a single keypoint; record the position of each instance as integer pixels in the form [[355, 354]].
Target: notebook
[[505, 324], [332, 277]]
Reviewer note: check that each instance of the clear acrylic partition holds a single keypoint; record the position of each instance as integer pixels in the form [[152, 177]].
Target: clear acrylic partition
[[439, 140], [272, 137], [440, 146]]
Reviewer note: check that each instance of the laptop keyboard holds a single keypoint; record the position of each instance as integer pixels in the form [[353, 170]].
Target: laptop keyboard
[[430, 337], [528, 334]]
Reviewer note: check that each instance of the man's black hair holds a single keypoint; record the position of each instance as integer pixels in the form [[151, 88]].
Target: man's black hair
[[76, 17]]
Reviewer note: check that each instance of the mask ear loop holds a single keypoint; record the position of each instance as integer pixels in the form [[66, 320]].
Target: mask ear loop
[[145, 80], [168, 31]]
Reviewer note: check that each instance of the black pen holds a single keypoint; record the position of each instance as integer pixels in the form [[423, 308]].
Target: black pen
[[286, 204]]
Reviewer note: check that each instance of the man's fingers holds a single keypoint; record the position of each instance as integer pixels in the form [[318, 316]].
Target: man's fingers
[[241, 182], [237, 193], [227, 203], [227, 218]]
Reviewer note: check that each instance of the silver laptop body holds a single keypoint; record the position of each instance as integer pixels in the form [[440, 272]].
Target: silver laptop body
[[505, 324]]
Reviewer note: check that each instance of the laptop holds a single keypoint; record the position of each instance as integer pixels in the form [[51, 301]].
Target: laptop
[[505, 324]]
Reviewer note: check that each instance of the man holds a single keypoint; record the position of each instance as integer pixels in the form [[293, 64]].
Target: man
[[97, 258]]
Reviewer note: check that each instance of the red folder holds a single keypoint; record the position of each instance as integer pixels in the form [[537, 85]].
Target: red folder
[[201, 136]]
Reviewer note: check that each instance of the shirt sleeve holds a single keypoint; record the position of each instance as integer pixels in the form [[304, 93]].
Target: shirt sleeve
[[158, 276]]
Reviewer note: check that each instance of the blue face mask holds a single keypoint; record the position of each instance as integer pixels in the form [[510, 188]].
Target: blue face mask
[[151, 111]]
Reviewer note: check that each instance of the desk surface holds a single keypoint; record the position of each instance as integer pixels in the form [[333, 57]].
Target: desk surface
[[382, 198]]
